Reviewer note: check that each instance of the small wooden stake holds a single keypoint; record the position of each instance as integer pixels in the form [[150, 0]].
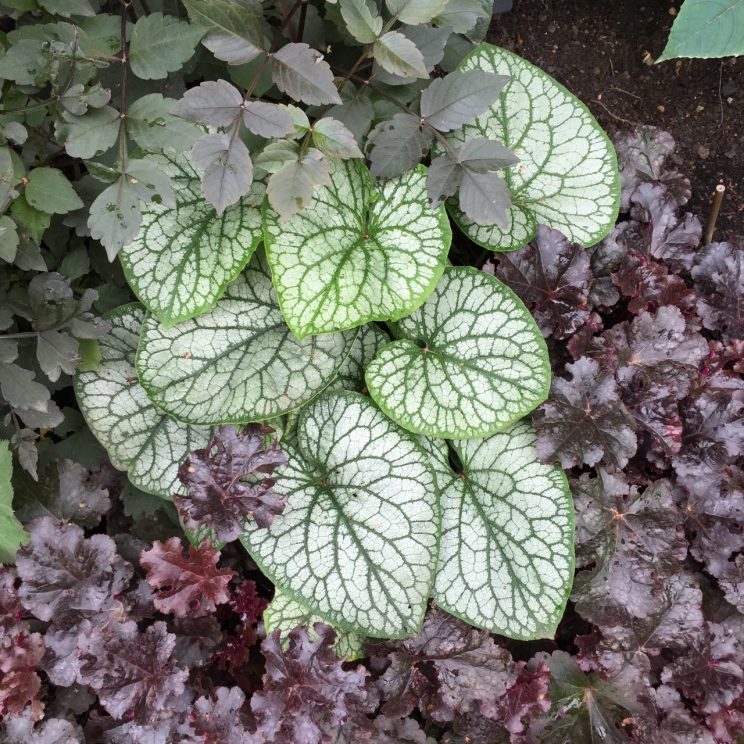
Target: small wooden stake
[[714, 210]]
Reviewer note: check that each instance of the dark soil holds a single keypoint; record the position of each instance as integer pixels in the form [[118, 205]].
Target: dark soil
[[603, 52]]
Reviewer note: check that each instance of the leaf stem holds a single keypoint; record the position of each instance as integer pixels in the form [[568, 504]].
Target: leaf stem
[[124, 59]]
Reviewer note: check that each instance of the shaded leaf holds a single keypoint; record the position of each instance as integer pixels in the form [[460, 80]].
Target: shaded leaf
[[333, 139], [362, 20], [291, 188], [49, 190], [215, 103], [414, 12], [303, 74], [398, 145], [12, 534], [90, 135], [161, 44], [228, 169]]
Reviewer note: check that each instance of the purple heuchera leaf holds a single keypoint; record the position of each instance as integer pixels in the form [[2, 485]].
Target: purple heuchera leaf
[[218, 499], [186, 585], [584, 420], [719, 283], [307, 694], [552, 277], [711, 672], [67, 576], [449, 668], [132, 672], [628, 543], [222, 718]]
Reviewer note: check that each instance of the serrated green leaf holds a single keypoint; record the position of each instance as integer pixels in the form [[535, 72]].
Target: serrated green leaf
[[115, 216], [456, 99], [182, 258], [357, 541], [285, 614], [34, 220], [398, 145], [153, 127], [236, 32], [215, 103], [138, 437], [362, 253], [506, 553], [8, 239], [68, 8], [462, 15], [12, 534], [161, 44], [470, 362], [49, 191], [362, 20], [303, 74], [90, 135], [399, 55], [239, 362], [414, 12], [332, 138], [706, 29], [567, 177]]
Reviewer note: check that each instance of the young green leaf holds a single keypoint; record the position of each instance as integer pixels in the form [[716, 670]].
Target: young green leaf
[[706, 29], [469, 362], [228, 169], [357, 541], [506, 553], [303, 74], [285, 614], [414, 12], [363, 253], [333, 139], [12, 534], [138, 437], [184, 256], [239, 362], [571, 184], [399, 55], [398, 145], [362, 20], [236, 33], [161, 44], [456, 99], [49, 190]]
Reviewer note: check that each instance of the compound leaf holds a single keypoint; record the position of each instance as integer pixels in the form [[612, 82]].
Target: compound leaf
[[184, 257], [363, 253], [506, 553], [357, 541], [567, 177], [239, 362], [138, 437], [285, 614], [468, 363]]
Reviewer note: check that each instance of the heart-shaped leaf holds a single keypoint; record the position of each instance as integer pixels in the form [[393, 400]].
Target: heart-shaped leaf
[[506, 554], [567, 177], [285, 614], [361, 253], [239, 362], [138, 437], [357, 541], [469, 362], [183, 258]]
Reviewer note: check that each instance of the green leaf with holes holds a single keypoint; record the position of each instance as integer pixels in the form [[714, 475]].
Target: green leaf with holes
[[238, 362], [469, 362], [184, 257], [285, 614], [138, 437], [567, 177], [361, 252], [506, 554], [357, 542]]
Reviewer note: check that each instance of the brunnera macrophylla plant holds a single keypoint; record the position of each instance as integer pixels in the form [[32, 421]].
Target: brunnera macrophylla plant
[[286, 225]]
